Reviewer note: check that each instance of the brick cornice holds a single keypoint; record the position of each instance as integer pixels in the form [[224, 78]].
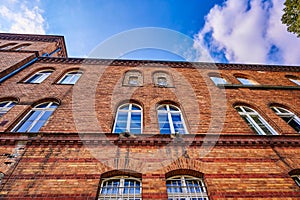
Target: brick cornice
[[149, 139], [38, 38], [175, 64]]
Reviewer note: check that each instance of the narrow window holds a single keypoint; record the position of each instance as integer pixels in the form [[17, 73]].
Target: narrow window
[[296, 178], [20, 47], [186, 187], [255, 121], [7, 46], [5, 106], [1, 177], [70, 77], [128, 119], [127, 188], [246, 81], [170, 120], [36, 118], [218, 80], [290, 118], [39, 76]]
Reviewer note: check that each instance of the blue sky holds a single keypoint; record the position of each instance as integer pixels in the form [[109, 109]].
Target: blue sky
[[235, 31]]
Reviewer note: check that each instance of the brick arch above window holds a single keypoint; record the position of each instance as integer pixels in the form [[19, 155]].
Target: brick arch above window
[[121, 173], [189, 172], [162, 79], [133, 78]]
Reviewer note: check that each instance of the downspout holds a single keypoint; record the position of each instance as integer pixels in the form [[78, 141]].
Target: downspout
[[27, 64], [18, 70]]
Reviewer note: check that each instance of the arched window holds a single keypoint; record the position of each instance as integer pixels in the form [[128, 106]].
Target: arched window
[[128, 119], [133, 78], [294, 79], [255, 121], [245, 81], [21, 46], [39, 76], [36, 118], [121, 187], [218, 80], [5, 106], [162, 79], [70, 77], [186, 187], [7, 46], [290, 118], [170, 119]]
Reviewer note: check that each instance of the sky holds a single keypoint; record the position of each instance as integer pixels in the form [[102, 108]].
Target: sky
[[229, 31]]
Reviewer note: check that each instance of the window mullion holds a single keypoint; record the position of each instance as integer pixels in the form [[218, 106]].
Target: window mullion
[[35, 120], [255, 125]]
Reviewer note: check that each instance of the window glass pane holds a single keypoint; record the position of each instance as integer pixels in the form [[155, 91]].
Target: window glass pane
[[162, 81], [295, 124], [74, 79], [38, 125], [261, 124], [126, 107], [296, 81], [133, 80], [218, 80], [162, 108], [34, 78], [172, 108], [122, 116], [245, 81], [24, 127], [66, 79], [134, 107], [46, 115]]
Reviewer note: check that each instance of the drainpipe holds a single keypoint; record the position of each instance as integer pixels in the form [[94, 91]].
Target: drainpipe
[[26, 65], [18, 70]]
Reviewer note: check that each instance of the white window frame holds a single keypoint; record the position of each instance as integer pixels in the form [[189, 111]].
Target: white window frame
[[6, 107], [129, 111], [169, 115], [296, 178], [43, 75], [8, 46], [218, 80], [120, 194], [256, 127], [287, 114], [25, 118], [75, 75], [187, 191]]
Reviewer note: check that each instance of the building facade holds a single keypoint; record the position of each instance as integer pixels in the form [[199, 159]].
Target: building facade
[[75, 128]]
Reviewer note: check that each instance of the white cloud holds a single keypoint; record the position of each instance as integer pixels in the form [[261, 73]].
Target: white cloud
[[17, 16], [249, 31]]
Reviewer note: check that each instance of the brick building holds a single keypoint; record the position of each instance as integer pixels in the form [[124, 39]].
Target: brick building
[[75, 128]]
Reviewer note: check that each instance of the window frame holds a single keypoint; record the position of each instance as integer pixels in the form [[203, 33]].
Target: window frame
[[121, 188], [7, 107], [296, 178], [129, 116], [170, 120], [256, 128], [37, 119], [74, 74], [292, 116], [8, 46], [44, 75], [184, 191]]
